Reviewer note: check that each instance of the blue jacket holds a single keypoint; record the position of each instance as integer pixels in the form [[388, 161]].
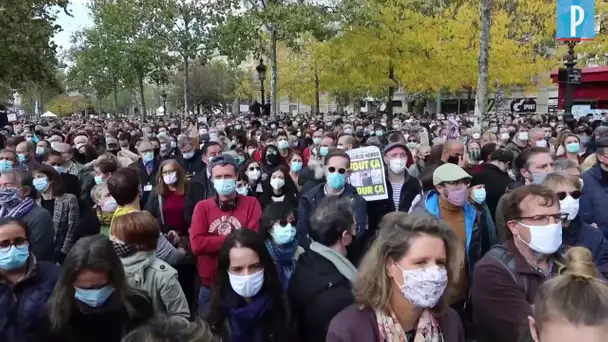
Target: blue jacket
[[22, 307], [593, 202], [312, 199], [474, 225], [583, 235]]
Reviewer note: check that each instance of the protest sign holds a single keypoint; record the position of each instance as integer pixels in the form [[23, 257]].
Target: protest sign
[[367, 173]]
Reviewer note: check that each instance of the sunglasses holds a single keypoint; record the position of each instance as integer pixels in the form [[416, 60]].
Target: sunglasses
[[332, 169], [576, 194], [284, 222], [254, 168], [413, 141]]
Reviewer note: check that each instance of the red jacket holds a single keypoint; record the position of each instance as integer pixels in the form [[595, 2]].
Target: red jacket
[[210, 226]]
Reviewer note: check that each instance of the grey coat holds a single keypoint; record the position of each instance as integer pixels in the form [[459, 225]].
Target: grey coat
[[159, 280], [66, 218]]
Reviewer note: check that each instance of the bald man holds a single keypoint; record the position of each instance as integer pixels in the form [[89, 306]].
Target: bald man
[[452, 152], [347, 142], [25, 155]]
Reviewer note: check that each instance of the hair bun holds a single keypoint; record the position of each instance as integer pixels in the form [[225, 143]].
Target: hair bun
[[580, 263]]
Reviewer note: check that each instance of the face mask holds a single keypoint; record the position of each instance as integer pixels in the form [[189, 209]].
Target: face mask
[[336, 180], [41, 184], [247, 286], [39, 151], [148, 157], [582, 182], [283, 234], [277, 183], [224, 187], [240, 160], [479, 195], [14, 258], [283, 144], [522, 136], [6, 165], [539, 177], [94, 297], [348, 131], [494, 129], [98, 179], [412, 145], [9, 197], [504, 136], [541, 143], [296, 166], [544, 239], [272, 159], [458, 197], [573, 147], [454, 160], [254, 175], [202, 131], [109, 206], [323, 151], [242, 191], [170, 178], [22, 158], [476, 136], [379, 133], [188, 155], [423, 287], [213, 135], [397, 165], [316, 141], [569, 206], [474, 154]]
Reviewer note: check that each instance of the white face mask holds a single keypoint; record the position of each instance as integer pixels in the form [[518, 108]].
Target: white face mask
[[504, 136], [170, 178], [242, 190], [277, 183], [423, 287], [397, 165], [254, 175], [544, 239], [541, 143], [109, 206], [476, 136], [247, 286], [569, 206], [522, 136]]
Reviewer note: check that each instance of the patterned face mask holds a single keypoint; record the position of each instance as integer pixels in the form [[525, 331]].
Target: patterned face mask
[[424, 287]]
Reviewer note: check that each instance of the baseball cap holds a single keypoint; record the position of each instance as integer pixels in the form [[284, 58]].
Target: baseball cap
[[449, 173], [223, 159], [392, 146]]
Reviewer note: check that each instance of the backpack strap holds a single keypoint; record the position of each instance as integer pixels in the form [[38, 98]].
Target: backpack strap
[[506, 259]]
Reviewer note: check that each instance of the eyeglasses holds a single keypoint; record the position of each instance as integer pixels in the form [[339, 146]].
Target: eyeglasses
[[168, 172], [19, 243], [283, 222], [333, 169], [459, 182], [545, 219], [254, 168], [413, 141], [576, 194]]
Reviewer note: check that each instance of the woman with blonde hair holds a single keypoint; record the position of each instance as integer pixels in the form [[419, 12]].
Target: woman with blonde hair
[[400, 290], [572, 306]]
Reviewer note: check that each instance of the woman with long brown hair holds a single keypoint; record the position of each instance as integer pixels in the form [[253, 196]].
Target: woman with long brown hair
[[167, 202]]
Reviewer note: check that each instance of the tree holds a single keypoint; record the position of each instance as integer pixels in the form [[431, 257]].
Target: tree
[[481, 97], [64, 105]]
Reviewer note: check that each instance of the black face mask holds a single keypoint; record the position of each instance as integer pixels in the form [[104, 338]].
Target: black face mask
[[156, 152], [272, 159], [453, 160]]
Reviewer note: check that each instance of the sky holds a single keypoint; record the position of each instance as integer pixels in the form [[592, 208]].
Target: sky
[[81, 18]]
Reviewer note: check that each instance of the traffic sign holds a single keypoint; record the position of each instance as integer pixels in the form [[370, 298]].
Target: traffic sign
[[523, 105], [575, 19], [575, 76]]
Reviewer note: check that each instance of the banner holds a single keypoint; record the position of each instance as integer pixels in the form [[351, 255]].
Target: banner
[[367, 173]]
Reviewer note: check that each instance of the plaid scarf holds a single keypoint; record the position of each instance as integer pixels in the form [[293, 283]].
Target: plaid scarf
[[284, 258], [18, 211]]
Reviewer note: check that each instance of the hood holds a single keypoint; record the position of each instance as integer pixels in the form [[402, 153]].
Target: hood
[[136, 265]]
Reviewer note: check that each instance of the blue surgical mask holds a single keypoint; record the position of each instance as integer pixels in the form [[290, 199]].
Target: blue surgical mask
[[240, 160], [39, 151], [411, 145], [283, 144], [41, 184], [6, 165], [336, 180], [573, 147], [14, 258], [283, 234], [94, 297], [148, 157], [379, 132], [348, 131], [243, 191], [59, 169], [539, 177], [224, 187], [316, 141], [296, 166], [188, 155], [323, 151], [22, 158], [98, 179], [479, 195]]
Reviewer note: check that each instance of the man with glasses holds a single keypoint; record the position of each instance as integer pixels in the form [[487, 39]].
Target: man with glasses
[[200, 186], [337, 164], [506, 279]]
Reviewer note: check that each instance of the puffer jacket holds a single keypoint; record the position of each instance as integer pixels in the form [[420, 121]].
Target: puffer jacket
[[159, 280], [22, 305], [593, 202]]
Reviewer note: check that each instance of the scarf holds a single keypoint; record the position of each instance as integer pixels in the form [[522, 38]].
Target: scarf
[[284, 257], [344, 266], [427, 329], [244, 319], [18, 211], [121, 248]]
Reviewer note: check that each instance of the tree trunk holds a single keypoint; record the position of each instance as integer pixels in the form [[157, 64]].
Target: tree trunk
[[391, 92], [481, 95], [317, 95], [186, 84], [469, 96], [273, 73], [141, 95], [115, 98]]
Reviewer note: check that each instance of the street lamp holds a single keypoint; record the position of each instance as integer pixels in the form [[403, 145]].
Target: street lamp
[[261, 69], [163, 96], [573, 76]]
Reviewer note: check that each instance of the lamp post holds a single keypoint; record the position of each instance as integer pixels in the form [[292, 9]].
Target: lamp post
[[163, 97], [261, 69], [573, 76]]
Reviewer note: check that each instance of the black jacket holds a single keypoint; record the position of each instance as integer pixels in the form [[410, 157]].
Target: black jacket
[[146, 179], [200, 188], [495, 181], [317, 292], [71, 184], [194, 165]]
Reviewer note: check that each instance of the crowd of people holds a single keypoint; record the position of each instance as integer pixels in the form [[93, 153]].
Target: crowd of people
[[245, 229]]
